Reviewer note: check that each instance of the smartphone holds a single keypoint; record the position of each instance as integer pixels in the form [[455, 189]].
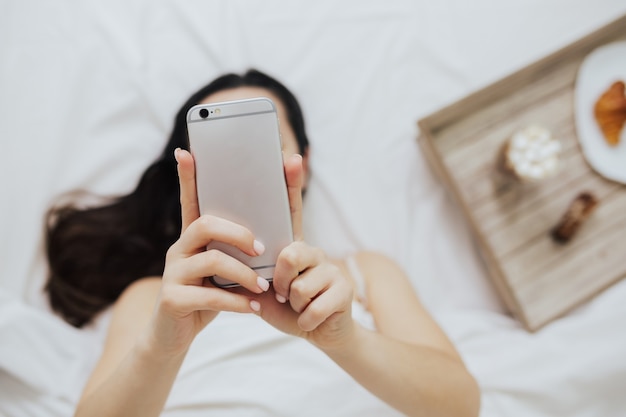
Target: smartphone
[[240, 177]]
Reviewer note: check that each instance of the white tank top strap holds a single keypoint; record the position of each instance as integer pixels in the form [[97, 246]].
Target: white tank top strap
[[357, 275]]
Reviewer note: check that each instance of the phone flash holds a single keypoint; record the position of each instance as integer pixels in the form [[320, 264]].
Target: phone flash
[[217, 111]]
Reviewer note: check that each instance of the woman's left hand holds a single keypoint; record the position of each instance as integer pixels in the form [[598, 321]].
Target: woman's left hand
[[311, 297]]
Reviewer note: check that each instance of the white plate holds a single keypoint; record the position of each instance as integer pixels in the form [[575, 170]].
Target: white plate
[[599, 70]]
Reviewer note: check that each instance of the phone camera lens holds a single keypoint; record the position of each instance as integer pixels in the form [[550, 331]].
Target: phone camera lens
[[204, 113]]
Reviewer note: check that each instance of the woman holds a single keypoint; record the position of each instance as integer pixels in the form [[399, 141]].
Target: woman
[[144, 253]]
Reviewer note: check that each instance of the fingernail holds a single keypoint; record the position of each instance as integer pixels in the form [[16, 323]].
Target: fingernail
[[176, 153], [263, 283], [280, 299], [297, 156], [255, 305], [259, 248]]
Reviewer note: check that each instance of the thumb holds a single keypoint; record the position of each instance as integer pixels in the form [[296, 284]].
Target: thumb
[[294, 175]]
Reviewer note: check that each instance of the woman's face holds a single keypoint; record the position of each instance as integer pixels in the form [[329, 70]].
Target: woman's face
[[289, 142]]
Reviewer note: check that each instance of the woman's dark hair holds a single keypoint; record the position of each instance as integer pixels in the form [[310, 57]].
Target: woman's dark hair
[[95, 253]]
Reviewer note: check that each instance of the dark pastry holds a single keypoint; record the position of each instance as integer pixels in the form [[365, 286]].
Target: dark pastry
[[576, 214]]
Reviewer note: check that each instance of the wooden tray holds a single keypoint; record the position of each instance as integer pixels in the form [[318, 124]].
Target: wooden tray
[[538, 279]]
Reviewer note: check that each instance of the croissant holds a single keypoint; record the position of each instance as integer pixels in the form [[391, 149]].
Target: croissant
[[610, 112]]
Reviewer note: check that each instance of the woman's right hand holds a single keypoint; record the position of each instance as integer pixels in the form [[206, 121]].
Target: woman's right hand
[[188, 301]]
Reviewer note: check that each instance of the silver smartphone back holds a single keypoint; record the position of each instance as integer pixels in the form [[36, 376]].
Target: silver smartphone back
[[240, 176]]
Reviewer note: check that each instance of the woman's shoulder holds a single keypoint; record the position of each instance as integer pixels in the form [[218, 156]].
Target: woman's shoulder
[[373, 262], [131, 312], [144, 288], [378, 269], [137, 300]]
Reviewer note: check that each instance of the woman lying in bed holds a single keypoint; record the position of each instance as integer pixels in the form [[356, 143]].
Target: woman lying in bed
[[136, 254]]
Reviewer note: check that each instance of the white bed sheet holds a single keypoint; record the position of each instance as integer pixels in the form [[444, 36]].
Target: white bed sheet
[[88, 95]]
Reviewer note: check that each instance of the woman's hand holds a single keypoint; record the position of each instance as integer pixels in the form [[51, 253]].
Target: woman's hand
[[188, 301], [311, 298]]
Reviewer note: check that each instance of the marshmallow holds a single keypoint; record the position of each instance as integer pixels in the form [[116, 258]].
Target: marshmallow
[[532, 154]]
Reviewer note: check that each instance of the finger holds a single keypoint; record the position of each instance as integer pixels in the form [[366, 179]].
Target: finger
[[185, 299], [187, 179], [292, 260], [310, 284], [214, 262], [336, 299], [210, 228], [278, 315], [294, 174]]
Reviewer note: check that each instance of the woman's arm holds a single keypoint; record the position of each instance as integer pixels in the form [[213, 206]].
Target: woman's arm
[[131, 377], [155, 321], [416, 379], [409, 362], [395, 307]]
